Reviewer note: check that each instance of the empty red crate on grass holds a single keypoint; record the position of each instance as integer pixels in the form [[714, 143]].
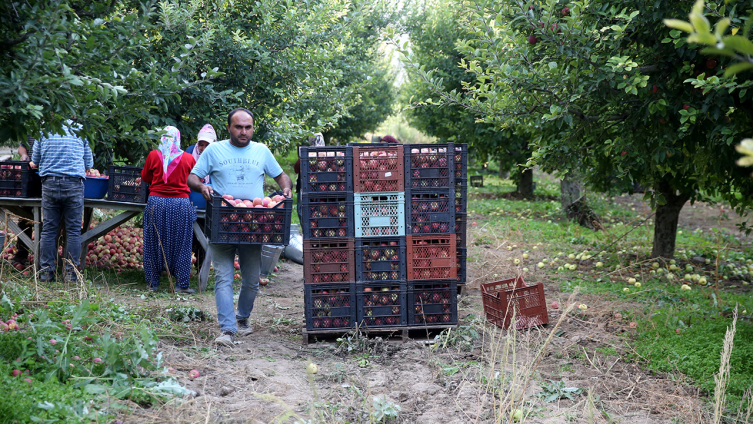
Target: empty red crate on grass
[[512, 298], [431, 257], [378, 169], [328, 261]]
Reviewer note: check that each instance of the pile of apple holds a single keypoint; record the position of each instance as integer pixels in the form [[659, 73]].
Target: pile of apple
[[120, 249], [94, 173], [10, 325], [438, 294], [266, 202], [432, 157], [324, 300]]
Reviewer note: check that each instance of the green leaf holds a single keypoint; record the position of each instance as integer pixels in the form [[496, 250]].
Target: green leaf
[[552, 65], [737, 68], [678, 24], [740, 44]]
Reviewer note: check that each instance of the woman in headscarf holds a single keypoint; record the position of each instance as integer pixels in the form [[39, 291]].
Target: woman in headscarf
[[316, 141], [206, 136], [169, 215]]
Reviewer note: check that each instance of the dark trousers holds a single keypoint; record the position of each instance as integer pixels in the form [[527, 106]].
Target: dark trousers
[[62, 199]]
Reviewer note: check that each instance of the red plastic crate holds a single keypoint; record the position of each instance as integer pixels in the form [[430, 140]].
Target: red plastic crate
[[431, 257], [328, 261], [378, 169], [507, 298]]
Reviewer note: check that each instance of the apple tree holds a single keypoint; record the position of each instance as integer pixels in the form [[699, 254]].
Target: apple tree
[[434, 29], [604, 84]]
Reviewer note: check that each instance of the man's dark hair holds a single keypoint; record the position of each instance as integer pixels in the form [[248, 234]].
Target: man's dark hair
[[240, 109]]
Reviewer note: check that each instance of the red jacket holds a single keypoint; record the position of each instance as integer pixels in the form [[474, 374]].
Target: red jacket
[[176, 183]]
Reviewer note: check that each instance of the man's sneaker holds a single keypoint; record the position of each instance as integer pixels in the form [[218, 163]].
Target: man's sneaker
[[46, 276], [187, 290], [244, 329], [226, 339], [71, 276]]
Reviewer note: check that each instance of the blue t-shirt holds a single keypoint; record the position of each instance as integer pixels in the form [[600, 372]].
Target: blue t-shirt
[[237, 171]]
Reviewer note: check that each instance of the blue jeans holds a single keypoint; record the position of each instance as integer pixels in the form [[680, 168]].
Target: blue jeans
[[62, 198], [223, 259]]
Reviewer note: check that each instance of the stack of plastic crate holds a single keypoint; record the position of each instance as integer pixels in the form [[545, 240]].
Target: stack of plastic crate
[[379, 210], [327, 224], [461, 208], [431, 242]]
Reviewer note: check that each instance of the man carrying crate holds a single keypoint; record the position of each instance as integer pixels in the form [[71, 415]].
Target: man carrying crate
[[237, 167]]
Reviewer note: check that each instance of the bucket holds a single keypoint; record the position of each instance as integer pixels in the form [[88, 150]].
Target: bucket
[[269, 256]]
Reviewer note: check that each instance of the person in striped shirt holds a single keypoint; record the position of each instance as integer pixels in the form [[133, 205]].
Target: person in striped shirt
[[63, 160]]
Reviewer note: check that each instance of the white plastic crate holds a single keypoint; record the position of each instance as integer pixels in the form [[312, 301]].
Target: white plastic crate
[[379, 214]]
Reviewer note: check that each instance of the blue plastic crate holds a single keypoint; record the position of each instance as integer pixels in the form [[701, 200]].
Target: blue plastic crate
[[330, 306], [429, 166], [327, 169], [381, 304], [380, 259], [379, 214], [432, 303], [327, 215], [430, 211]]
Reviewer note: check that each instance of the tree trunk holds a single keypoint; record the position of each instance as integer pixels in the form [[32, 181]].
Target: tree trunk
[[573, 201], [571, 189], [504, 173], [665, 227], [525, 183]]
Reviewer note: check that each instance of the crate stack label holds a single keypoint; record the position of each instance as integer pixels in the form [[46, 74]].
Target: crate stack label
[[327, 226]]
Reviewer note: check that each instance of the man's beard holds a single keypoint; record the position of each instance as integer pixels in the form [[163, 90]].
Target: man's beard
[[234, 140]]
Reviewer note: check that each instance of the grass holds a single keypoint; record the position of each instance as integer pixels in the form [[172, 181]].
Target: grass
[[701, 314]]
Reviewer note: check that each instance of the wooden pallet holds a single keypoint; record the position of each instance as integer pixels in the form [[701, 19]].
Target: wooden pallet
[[390, 334]]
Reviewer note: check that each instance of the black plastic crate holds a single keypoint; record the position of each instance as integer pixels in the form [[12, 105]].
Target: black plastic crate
[[381, 304], [461, 160], [124, 185], [429, 166], [225, 224], [429, 211], [461, 230], [462, 257], [327, 215], [380, 259], [461, 196], [18, 180], [330, 306], [434, 302], [327, 169]]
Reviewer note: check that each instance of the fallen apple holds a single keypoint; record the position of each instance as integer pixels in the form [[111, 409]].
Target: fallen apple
[[633, 324], [555, 305], [312, 368], [194, 374]]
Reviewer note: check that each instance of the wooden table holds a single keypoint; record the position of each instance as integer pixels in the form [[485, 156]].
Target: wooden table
[[21, 206]]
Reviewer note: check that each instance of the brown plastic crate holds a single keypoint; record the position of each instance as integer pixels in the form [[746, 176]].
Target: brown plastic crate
[[431, 257], [378, 169], [506, 299], [329, 261]]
